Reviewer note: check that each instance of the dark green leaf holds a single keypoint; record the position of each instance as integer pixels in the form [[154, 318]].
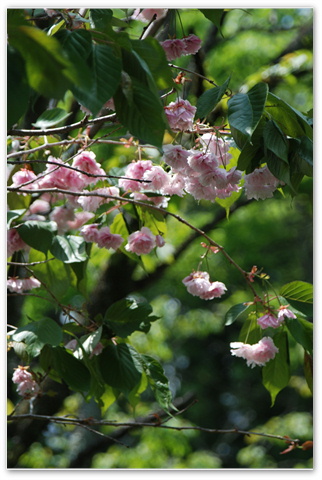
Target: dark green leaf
[[290, 121], [245, 109], [150, 50], [234, 312], [158, 382], [209, 99], [12, 214], [105, 68], [37, 334], [128, 315], [215, 15], [302, 331], [279, 168], [19, 91], [101, 18], [69, 248], [71, 370], [88, 343], [276, 372], [275, 140], [144, 117], [48, 71], [38, 234], [51, 117], [120, 367]]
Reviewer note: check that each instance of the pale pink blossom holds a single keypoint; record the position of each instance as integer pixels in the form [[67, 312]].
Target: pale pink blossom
[[269, 320], [59, 175], [20, 285], [176, 156], [14, 242], [135, 171], [24, 175], [180, 115], [90, 232], [106, 239], [216, 178], [260, 184], [226, 192], [26, 385], [141, 242], [97, 350], [217, 146], [86, 161], [146, 14], [90, 203], [199, 285], [39, 206], [159, 241], [175, 186], [283, 311], [202, 162], [199, 191], [174, 48], [159, 201], [156, 177], [257, 354], [192, 44]]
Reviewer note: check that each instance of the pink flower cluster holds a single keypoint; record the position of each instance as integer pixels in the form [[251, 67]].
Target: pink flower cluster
[[101, 236], [178, 47], [143, 241], [198, 284], [14, 242], [270, 320], [27, 386], [20, 285], [257, 354], [180, 115], [261, 184]]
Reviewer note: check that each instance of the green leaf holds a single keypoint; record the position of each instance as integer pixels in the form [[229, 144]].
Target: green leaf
[[144, 116], [215, 15], [120, 367], [18, 90], [158, 382], [88, 343], [51, 117], [305, 152], [101, 18], [69, 248], [228, 202], [302, 332], [38, 234], [105, 68], [245, 109], [290, 120], [71, 370], [235, 312], [128, 315], [37, 334], [298, 290], [48, 71], [150, 50], [279, 168], [152, 219], [250, 332], [209, 99], [13, 214], [77, 44], [276, 372], [275, 140]]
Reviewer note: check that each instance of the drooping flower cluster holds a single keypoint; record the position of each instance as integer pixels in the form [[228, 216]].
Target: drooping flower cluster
[[14, 242], [270, 320], [260, 184], [199, 285], [179, 47], [257, 354], [101, 236], [180, 115], [26, 384]]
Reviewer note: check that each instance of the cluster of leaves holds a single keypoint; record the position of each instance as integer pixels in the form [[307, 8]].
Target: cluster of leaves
[[96, 63]]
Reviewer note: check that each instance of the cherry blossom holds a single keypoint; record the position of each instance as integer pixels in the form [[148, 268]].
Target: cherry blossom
[[260, 184], [284, 311], [20, 285], [86, 161], [26, 385], [24, 175], [192, 44], [90, 203], [180, 115], [141, 242], [135, 171], [106, 239], [269, 320], [216, 145], [14, 242], [90, 232], [198, 284], [157, 177], [58, 175], [173, 48], [257, 354], [62, 215], [176, 156]]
